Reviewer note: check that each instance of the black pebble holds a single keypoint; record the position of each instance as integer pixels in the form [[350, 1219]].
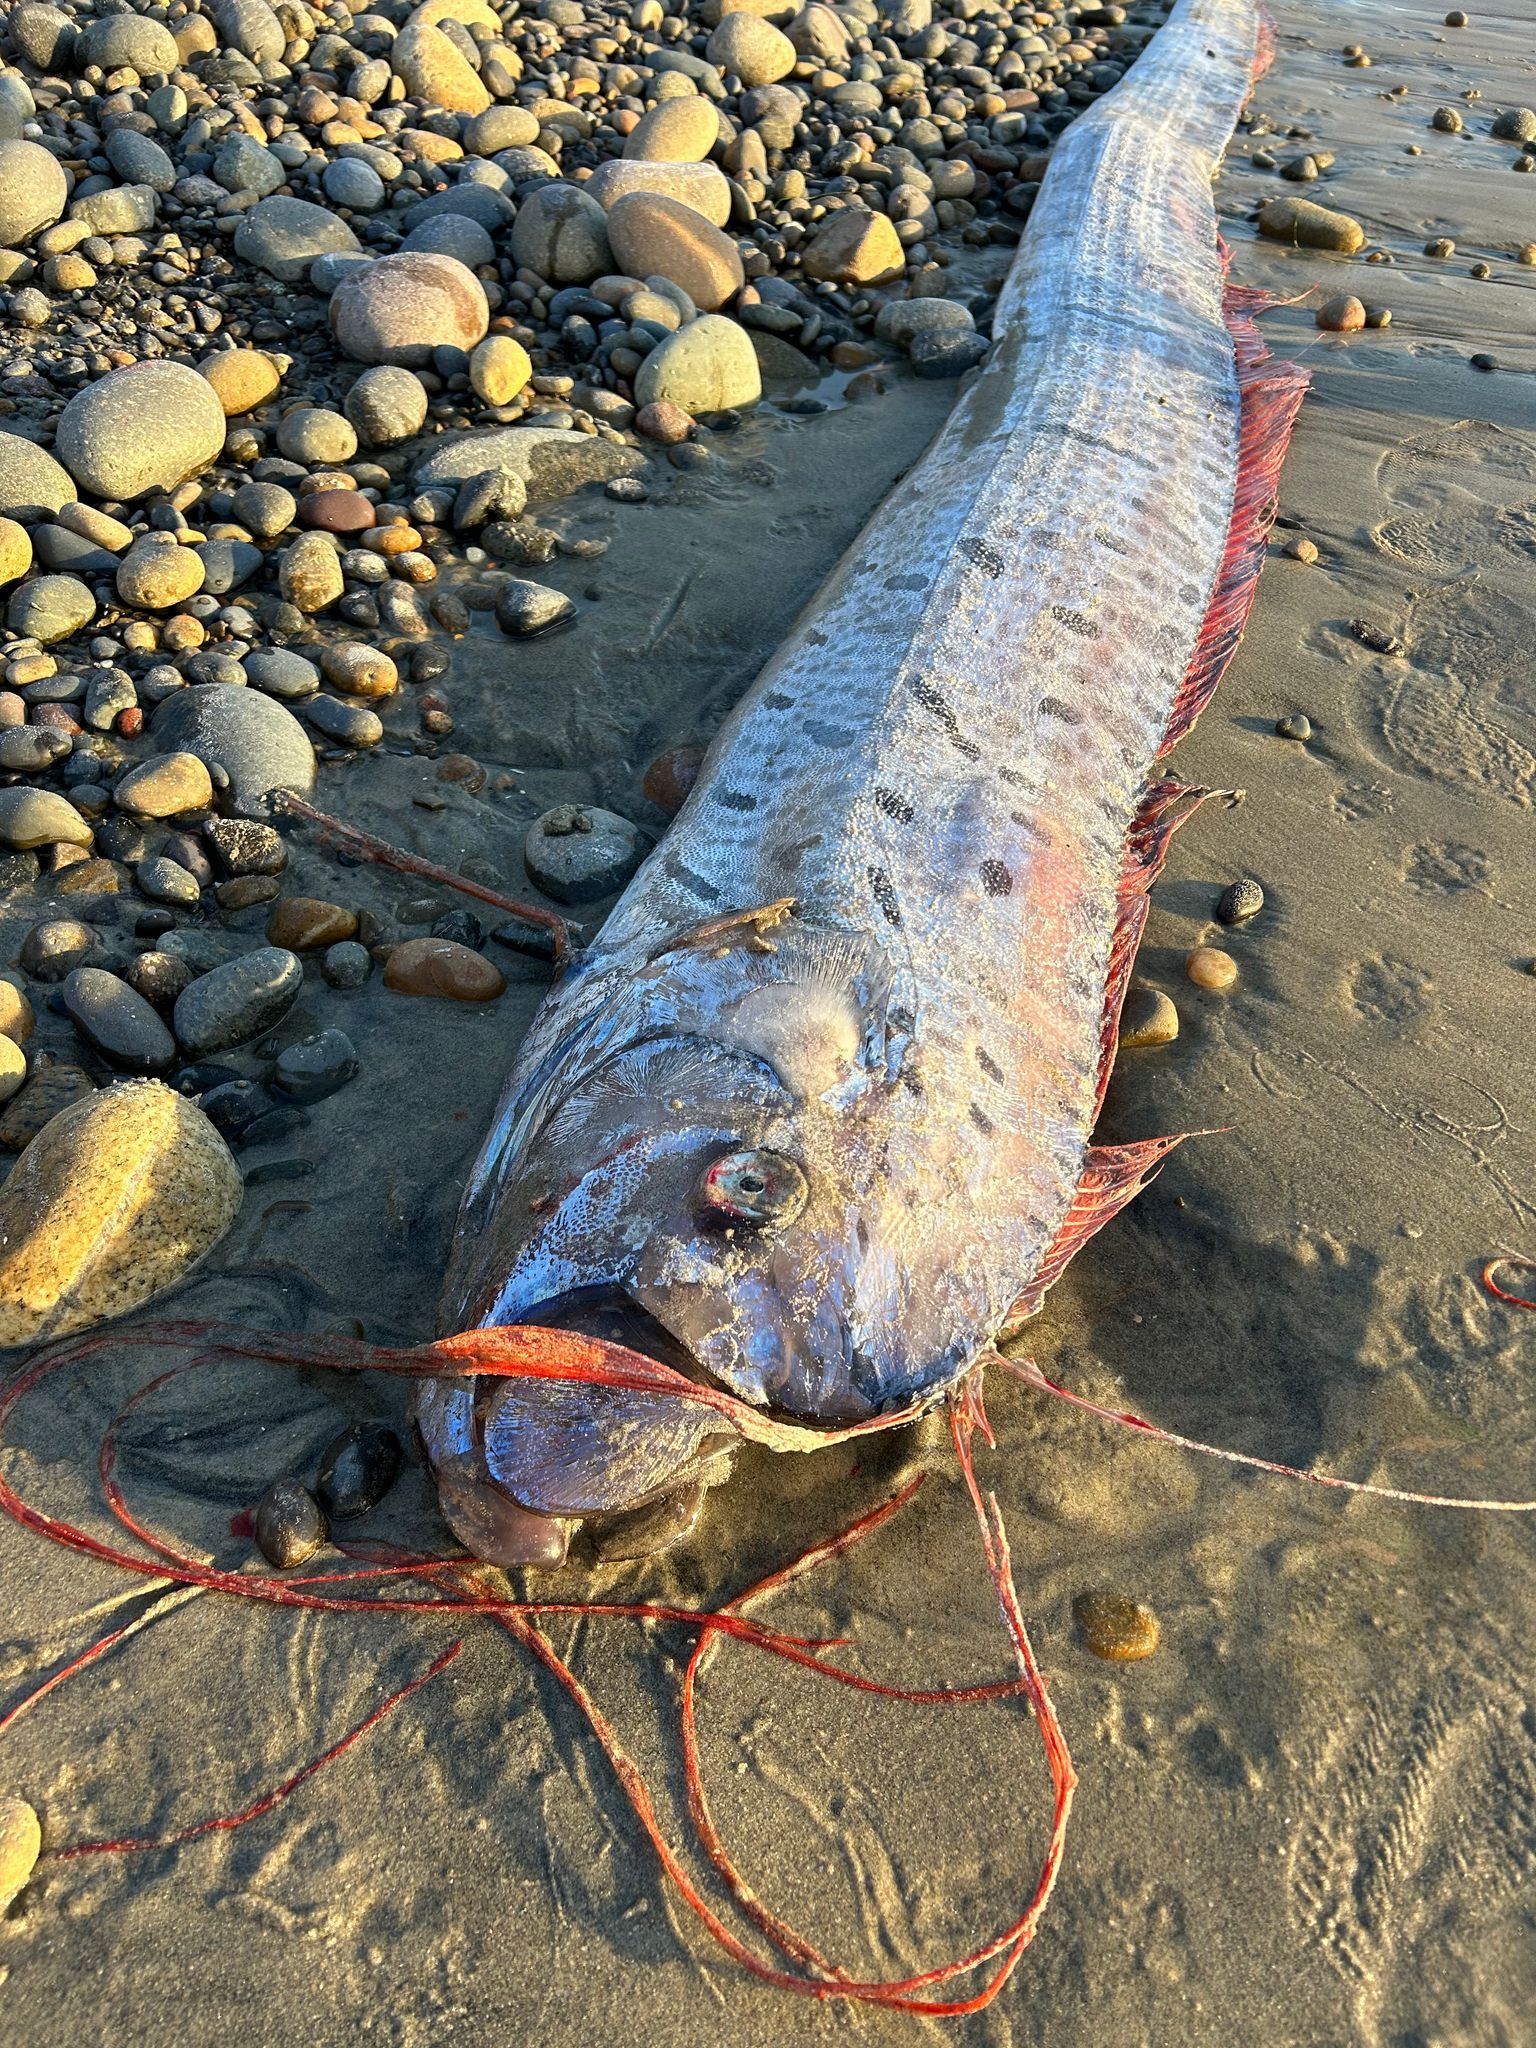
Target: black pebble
[[358, 1469], [1482, 362], [1239, 901], [463, 927], [290, 1525]]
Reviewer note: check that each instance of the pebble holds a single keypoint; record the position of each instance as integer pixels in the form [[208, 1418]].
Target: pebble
[[1311, 226], [316, 437], [33, 191], [289, 1523], [141, 429], [284, 236], [1115, 1627], [1294, 726], [1300, 549], [855, 247], [499, 369], [349, 725], [168, 787], [709, 366], [238, 1001], [1341, 314], [526, 609], [357, 1469], [1515, 124], [308, 924], [401, 308], [346, 965], [39, 817], [578, 853], [312, 1068], [441, 967], [432, 69], [50, 608], [109, 1206], [54, 947], [310, 576], [167, 881], [32, 749], [1148, 1018], [243, 847], [902, 321], [386, 405], [562, 233], [1447, 120], [671, 776], [21, 1843], [655, 236], [259, 744], [158, 977], [156, 575], [676, 131], [281, 672], [1209, 968], [1239, 901], [117, 1022], [360, 671], [550, 462], [343, 512]]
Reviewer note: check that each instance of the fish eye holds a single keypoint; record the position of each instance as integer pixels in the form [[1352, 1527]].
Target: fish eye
[[752, 1190]]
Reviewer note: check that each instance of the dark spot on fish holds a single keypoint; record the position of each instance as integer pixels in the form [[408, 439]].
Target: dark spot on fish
[[700, 887], [894, 805], [995, 878], [776, 700], [1112, 541], [885, 895], [1084, 987], [986, 557], [982, 1121], [734, 799], [1052, 707], [1075, 622], [1016, 776], [987, 1064], [814, 637], [935, 701], [833, 736], [1190, 593], [906, 582]]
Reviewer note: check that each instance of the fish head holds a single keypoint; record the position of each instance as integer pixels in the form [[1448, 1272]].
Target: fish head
[[702, 1173]]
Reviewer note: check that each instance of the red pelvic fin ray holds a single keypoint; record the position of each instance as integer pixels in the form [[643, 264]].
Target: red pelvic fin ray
[[1112, 1176], [1270, 395]]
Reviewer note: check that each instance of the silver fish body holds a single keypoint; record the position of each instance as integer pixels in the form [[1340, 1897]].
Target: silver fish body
[[869, 961]]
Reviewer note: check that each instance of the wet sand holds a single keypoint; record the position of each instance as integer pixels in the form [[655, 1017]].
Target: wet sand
[[1310, 1817]]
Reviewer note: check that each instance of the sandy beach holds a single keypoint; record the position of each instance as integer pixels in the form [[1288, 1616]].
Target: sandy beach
[[1310, 1817]]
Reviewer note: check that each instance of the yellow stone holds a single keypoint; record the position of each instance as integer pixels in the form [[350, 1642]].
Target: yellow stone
[[111, 1204], [242, 378], [16, 1019], [21, 1842], [499, 369], [1118, 1629], [1208, 967], [15, 551]]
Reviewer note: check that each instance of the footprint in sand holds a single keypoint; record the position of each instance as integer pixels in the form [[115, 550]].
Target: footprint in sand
[[1444, 867], [1387, 991]]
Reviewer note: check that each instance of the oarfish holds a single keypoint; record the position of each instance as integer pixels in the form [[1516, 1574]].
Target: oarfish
[[811, 1119]]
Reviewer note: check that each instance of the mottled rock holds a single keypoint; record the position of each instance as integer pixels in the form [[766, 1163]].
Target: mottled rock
[[549, 461], [562, 234], [526, 609], [109, 1206], [577, 853], [156, 574], [654, 236], [440, 967], [242, 847], [55, 947], [708, 366], [234, 1003], [310, 576], [129, 42], [144, 428], [401, 308], [386, 405], [1119, 1629]]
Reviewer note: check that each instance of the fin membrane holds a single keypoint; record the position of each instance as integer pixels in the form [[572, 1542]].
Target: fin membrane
[[1112, 1176]]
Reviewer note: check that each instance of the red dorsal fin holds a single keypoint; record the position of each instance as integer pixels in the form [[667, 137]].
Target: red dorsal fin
[[1112, 1176], [1270, 395]]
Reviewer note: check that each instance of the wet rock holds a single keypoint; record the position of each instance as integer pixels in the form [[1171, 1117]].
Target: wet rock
[[243, 847], [144, 428], [1341, 314], [50, 1089], [33, 191], [312, 1068], [158, 977], [234, 1003], [284, 236], [1239, 901], [1209, 968], [21, 1843], [525, 609], [32, 749], [360, 671], [401, 308], [561, 232], [357, 1469], [167, 881], [110, 1205], [1116, 1628], [578, 853], [349, 725], [290, 1524], [165, 788], [495, 495], [709, 366], [307, 924], [652, 236], [281, 672], [1148, 1018], [1515, 124], [671, 776], [117, 1022], [1303, 222], [853, 246], [440, 967], [50, 608], [55, 946], [260, 746], [346, 965], [37, 817], [901, 321], [549, 461], [32, 483]]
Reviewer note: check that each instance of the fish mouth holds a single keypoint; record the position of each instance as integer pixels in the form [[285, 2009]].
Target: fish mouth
[[515, 1512]]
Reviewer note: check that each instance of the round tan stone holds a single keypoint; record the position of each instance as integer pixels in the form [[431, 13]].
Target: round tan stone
[[653, 236], [168, 787], [310, 576], [16, 1019], [112, 1202], [21, 1843], [242, 378], [360, 671], [15, 551], [441, 967], [680, 131], [13, 1067], [402, 307], [499, 369], [854, 247], [305, 924], [156, 575], [751, 49], [434, 72], [701, 186]]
